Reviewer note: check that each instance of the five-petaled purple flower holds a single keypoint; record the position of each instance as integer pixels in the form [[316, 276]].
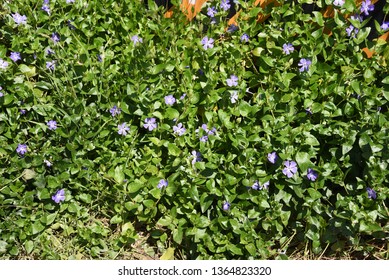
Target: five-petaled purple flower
[[123, 128], [207, 43], [55, 37], [287, 48], [59, 196], [367, 7], [312, 174], [179, 129], [304, 64], [211, 12], [150, 124], [162, 183], [226, 206], [136, 39], [21, 149], [204, 138], [3, 64], [290, 168], [49, 51], [15, 56], [338, 3], [272, 157], [115, 111], [225, 5], [19, 19], [244, 38], [234, 96], [48, 163], [232, 81], [170, 100], [52, 125], [69, 1], [371, 193]]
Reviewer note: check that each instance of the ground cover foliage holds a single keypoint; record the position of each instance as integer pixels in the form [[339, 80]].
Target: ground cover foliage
[[117, 124]]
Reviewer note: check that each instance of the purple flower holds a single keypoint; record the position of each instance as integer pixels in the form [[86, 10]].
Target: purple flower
[[357, 17], [52, 125], [232, 28], [55, 37], [211, 12], [123, 128], [22, 111], [21, 149], [179, 129], [19, 19], [182, 96], [212, 131], [308, 111], [196, 157], [115, 111], [226, 206], [312, 174], [287, 48], [150, 124], [50, 65], [290, 168], [367, 7], [99, 58], [170, 100], [265, 185], [204, 138], [244, 38], [304, 64], [338, 3], [69, 1], [49, 51], [48, 163], [70, 25], [162, 183], [15, 56], [207, 43], [1, 93], [352, 30], [232, 81], [225, 5], [59, 196], [385, 25], [371, 193], [255, 186], [46, 8], [272, 157], [234, 97], [136, 39], [3, 64]]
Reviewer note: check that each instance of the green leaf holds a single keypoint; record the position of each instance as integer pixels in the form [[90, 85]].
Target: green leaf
[[134, 186], [257, 51], [116, 220], [50, 218], [119, 174], [168, 255], [173, 150], [37, 227], [171, 113], [29, 245], [303, 160], [314, 194]]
